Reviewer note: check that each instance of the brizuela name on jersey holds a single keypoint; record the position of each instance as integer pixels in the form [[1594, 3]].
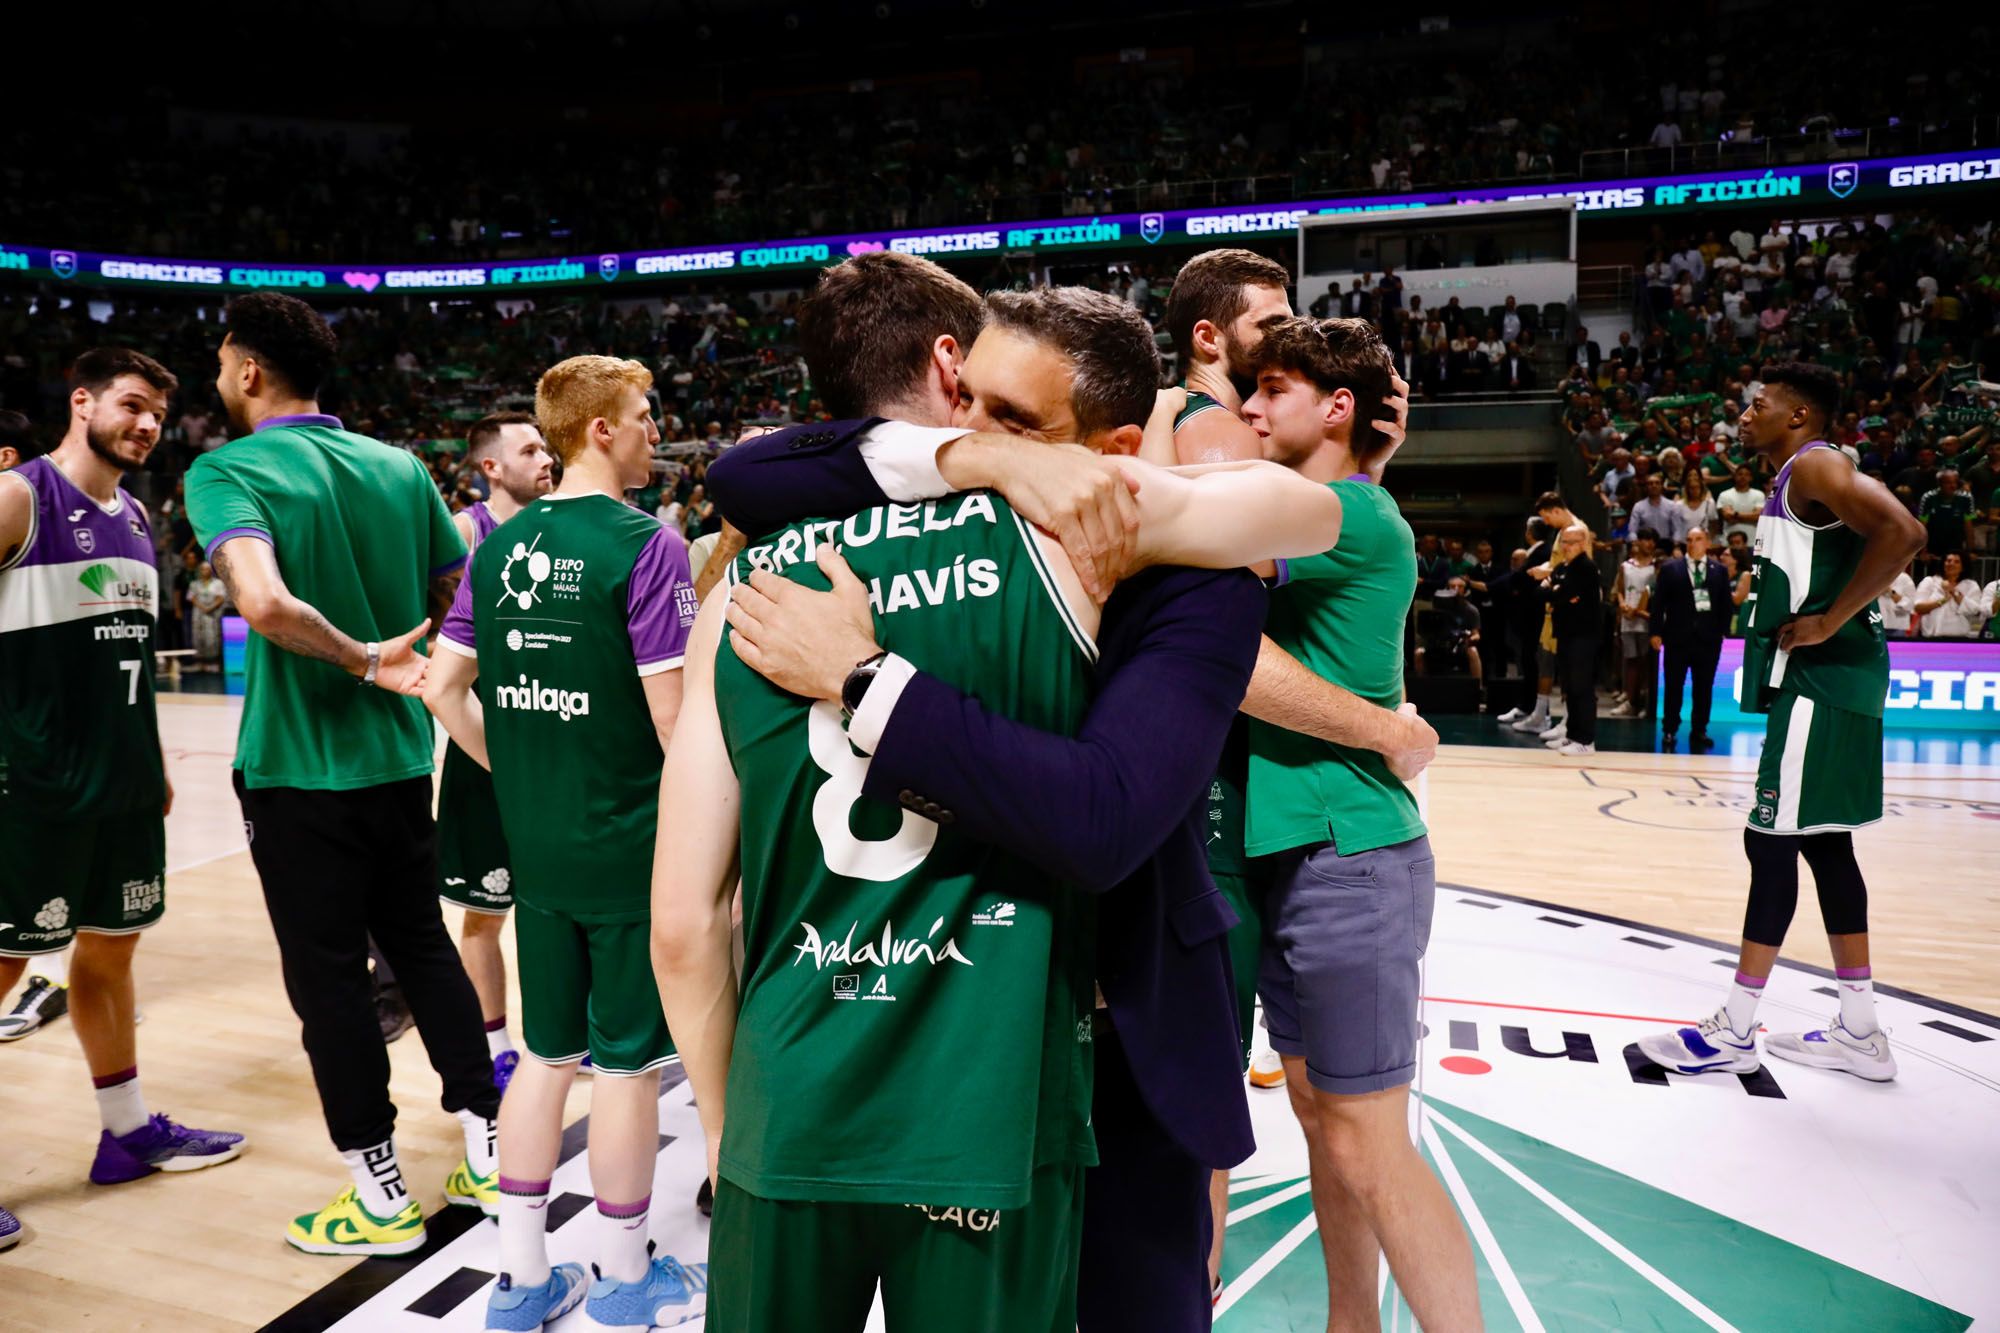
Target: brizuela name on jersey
[[979, 577]]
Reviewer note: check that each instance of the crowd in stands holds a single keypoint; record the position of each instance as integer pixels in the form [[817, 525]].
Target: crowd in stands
[[1078, 133]]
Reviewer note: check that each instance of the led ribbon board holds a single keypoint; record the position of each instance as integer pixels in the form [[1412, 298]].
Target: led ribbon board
[[1831, 186]]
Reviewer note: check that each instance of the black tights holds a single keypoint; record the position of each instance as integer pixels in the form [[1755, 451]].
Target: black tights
[[1774, 884]]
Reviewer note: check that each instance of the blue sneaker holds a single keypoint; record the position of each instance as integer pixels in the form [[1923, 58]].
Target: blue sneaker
[[160, 1145], [670, 1293], [525, 1308], [504, 1065], [10, 1230], [584, 1066]]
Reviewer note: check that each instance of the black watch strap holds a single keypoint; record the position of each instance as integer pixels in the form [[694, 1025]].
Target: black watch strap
[[855, 688]]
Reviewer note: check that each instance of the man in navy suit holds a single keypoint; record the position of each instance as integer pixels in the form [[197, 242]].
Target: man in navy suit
[[1117, 809], [1690, 615]]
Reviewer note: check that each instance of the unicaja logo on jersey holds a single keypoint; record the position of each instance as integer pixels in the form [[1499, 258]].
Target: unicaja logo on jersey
[[531, 696]]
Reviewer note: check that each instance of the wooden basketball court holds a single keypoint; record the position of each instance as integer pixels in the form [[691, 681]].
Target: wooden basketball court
[[1643, 838]]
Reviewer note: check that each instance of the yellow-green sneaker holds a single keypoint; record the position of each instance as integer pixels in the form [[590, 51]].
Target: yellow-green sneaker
[[466, 1186], [345, 1227]]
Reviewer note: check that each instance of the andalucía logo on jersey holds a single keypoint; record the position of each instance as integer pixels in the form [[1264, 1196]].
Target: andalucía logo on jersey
[[531, 696], [880, 952]]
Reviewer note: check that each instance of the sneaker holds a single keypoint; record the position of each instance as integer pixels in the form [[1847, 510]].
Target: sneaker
[[10, 1230], [1834, 1047], [43, 1002], [1710, 1048], [1571, 749], [584, 1066], [345, 1227], [1215, 1291], [392, 1012], [1624, 710], [526, 1308], [160, 1145], [1555, 736], [1267, 1070], [670, 1293], [504, 1065], [704, 1198], [467, 1187], [1535, 721], [1514, 714]]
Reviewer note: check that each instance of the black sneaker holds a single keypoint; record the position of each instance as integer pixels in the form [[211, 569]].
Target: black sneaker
[[392, 1012], [41, 1003], [704, 1198]]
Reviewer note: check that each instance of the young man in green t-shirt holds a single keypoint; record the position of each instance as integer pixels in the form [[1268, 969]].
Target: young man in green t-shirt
[[1347, 918]]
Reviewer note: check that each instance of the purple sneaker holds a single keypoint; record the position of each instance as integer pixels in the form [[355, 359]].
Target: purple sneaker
[[160, 1145], [10, 1230], [504, 1065]]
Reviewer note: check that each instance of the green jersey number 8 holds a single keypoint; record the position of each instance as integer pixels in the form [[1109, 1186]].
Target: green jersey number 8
[[882, 859]]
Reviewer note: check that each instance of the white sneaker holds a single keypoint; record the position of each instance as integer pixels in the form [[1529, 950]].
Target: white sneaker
[[1514, 714], [1709, 1048], [1535, 721], [1571, 749], [1834, 1047], [1623, 710], [1267, 1071], [1555, 734]]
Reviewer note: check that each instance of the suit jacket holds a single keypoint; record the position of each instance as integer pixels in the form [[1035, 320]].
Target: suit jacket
[[1118, 809], [1673, 616], [1593, 355], [1510, 368]]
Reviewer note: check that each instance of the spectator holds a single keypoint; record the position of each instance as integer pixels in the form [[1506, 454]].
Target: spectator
[[1432, 567], [1625, 354], [1949, 605], [1917, 480], [1514, 372], [1584, 351], [1510, 322], [1741, 506], [1657, 517], [1632, 593], [1945, 510], [1698, 508], [1454, 631], [206, 596], [1898, 607]]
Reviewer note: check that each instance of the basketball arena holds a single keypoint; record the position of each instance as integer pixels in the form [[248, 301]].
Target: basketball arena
[[538, 609]]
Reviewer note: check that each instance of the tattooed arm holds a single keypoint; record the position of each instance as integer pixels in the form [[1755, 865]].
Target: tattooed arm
[[437, 598], [248, 567]]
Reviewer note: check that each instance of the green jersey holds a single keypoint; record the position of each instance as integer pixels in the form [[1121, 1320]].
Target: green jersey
[[1800, 570], [568, 605], [79, 737], [1341, 614], [916, 1005], [1197, 403], [359, 529]]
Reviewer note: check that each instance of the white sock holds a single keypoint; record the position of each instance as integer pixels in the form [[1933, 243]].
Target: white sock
[[378, 1179], [54, 966], [1857, 1000], [524, 1230], [1741, 1007], [498, 1043], [621, 1239], [482, 1142], [119, 1103]]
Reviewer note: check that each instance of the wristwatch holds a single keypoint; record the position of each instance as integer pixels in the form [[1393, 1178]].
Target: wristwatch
[[855, 688], [374, 663]]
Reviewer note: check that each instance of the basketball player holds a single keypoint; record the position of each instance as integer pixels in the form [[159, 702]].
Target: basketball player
[[329, 543], [473, 869], [807, 1165], [1830, 542], [1347, 918], [83, 786], [576, 614]]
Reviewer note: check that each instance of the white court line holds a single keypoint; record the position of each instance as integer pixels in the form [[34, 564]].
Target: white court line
[[1489, 1244], [207, 860], [1265, 1262], [1590, 1229], [1271, 1200]]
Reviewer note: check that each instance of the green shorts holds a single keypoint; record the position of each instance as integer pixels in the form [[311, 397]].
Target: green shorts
[[780, 1265], [1245, 893], [587, 988], [1821, 771], [106, 875], [472, 842]]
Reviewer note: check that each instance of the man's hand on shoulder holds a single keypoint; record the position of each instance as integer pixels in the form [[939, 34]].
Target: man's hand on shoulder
[[799, 638]]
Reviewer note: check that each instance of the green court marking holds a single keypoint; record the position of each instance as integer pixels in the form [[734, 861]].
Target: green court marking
[[1748, 1277]]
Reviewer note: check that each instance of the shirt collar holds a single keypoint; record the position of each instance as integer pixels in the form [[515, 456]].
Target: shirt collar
[[298, 419]]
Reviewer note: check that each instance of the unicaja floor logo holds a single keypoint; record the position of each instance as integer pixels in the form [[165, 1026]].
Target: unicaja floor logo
[[531, 696], [531, 578]]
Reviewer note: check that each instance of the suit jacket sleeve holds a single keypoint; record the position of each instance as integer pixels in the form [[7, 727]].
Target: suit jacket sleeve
[[1660, 618], [1090, 809], [810, 470]]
